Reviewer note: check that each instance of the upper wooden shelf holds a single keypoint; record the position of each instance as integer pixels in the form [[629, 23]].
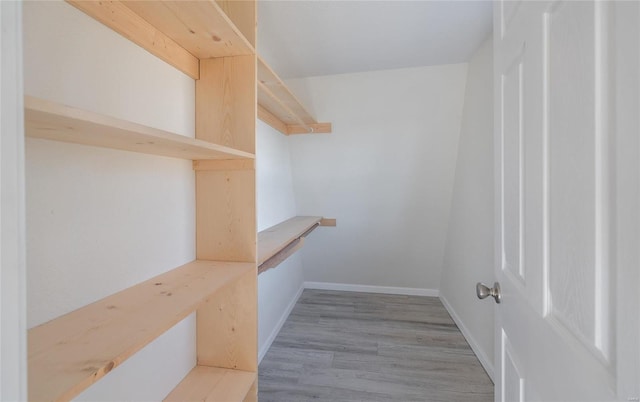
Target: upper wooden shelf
[[68, 354], [279, 108], [180, 32], [54, 121]]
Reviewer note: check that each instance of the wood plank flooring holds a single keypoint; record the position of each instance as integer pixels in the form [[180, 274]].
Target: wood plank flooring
[[347, 346]]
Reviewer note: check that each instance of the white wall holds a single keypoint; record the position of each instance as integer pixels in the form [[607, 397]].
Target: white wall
[[279, 288], [469, 251], [13, 343], [101, 220], [386, 173]]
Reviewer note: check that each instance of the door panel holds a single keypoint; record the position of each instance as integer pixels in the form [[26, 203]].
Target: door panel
[[512, 381], [558, 326], [578, 218]]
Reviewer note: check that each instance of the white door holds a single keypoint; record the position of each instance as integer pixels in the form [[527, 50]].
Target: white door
[[567, 172]]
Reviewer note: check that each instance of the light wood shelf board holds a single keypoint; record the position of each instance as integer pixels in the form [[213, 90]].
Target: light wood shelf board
[[120, 18], [270, 80], [71, 352], [271, 102], [279, 108], [273, 240], [205, 383], [54, 121], [200, 27], [271, 119]]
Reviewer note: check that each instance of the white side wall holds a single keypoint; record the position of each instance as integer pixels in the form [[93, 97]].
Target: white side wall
[[386, 173], [469, 251], [13, 356], [279, 288], [101, 220]]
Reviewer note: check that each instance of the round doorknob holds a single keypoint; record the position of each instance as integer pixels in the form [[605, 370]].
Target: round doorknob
[[483, 291]]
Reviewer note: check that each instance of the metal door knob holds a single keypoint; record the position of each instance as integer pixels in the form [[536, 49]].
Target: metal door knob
[[483, 291]]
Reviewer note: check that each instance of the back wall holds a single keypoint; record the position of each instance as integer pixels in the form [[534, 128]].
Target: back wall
[[386, 173]]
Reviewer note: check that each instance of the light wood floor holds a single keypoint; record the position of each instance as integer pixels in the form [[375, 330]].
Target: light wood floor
[[347, 346]]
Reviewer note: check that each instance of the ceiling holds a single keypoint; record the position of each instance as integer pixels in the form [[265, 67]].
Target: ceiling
[[311, 38]]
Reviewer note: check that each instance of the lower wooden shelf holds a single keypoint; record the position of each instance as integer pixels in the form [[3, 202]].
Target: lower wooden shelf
[[278, 242], [68, 354], [205, 383]]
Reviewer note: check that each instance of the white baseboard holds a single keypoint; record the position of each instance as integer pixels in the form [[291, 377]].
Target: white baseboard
[[480, 353], [264, 348], [372, 289]]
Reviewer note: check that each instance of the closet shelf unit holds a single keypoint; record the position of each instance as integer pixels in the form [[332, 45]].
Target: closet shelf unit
[[214, 43], [278, 242]]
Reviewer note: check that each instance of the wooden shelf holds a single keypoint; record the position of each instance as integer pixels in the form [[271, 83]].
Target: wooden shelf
[[68, 354], [278, 107], [179, 32], [53, 121], [280, 241], [205, 383]]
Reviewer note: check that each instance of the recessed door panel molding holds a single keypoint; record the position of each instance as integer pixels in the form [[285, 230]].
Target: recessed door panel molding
[[512, 381], [512, 86], [576, 279]]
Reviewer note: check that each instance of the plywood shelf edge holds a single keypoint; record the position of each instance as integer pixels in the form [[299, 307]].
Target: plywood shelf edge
[[68, 354], [279, 107], [54, 121]]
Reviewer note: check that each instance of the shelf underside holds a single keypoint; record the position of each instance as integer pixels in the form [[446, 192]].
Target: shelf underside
[[68, 354], [53, 121]]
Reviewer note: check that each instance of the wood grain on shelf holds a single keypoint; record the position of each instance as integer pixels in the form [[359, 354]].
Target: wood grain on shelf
[[244, 16], [213, 384], [226, 333], [69, 353], [225, 199], [273, 240], [54, 121], [127, 23], [201, 27], [225, 215]]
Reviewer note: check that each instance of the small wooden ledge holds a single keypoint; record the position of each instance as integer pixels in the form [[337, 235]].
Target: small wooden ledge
[[279, 242]]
